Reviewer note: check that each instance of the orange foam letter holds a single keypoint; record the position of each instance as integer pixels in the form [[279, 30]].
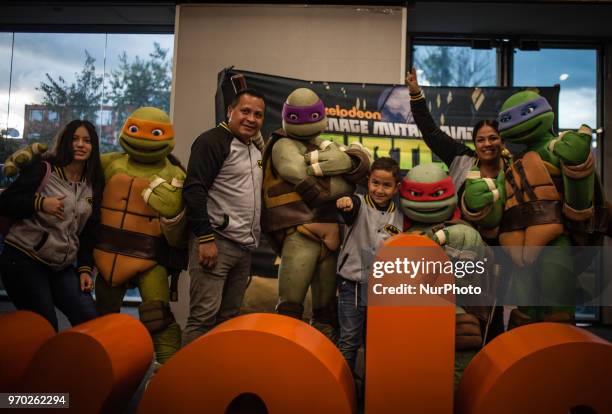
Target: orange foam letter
[[539, 368], [99, 363], [411, 338], [268, 362]]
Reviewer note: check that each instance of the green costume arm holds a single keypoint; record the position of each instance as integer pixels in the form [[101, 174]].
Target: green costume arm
[[353, 163], [483, 199], [288, 160], [362, 159], [165, 197], [578, 170], [175, 229], [573, 148], [22, 157], [330, 160], [460, 241]]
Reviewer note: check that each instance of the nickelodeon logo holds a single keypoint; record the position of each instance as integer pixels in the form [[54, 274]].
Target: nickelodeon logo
[[352, 113]]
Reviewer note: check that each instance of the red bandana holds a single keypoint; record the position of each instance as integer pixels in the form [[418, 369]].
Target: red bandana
[[416, 191]]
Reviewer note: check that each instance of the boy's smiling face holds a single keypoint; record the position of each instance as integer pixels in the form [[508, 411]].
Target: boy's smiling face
[[382, 186]]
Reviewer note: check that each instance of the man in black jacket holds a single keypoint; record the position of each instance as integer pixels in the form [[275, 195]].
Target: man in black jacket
[[223, 197]]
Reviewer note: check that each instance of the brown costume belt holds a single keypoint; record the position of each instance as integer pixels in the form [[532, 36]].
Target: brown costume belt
[[296, 213], [129, 243], [531, 213]]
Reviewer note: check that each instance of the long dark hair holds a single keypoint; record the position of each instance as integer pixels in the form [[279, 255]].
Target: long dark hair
[[63, 154]]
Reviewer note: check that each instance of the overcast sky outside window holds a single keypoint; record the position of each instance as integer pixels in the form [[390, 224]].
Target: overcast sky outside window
[[574, 69], [60, 54]]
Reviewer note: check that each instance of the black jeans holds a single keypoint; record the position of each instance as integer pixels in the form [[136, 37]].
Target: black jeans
[[33, 286]]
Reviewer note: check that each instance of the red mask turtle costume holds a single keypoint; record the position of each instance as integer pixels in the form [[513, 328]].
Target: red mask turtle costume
[[429, 202]]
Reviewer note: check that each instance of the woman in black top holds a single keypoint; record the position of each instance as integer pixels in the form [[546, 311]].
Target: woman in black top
[[458, 157]]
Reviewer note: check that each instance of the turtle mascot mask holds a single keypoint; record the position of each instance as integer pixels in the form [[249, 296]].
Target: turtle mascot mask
[[147, 135], [428, 195], [304, 115], [525, 117]]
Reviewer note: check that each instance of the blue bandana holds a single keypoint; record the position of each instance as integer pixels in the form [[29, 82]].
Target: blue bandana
[[520, 113]]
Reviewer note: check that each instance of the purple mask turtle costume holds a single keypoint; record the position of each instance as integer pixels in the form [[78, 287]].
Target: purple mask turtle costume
[[303, 176]]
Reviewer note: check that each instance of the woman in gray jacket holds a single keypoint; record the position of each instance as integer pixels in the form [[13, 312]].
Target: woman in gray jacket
[[55, 207]]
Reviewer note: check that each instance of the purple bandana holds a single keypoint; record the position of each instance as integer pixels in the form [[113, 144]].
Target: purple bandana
[[303, 114], [520, 113]]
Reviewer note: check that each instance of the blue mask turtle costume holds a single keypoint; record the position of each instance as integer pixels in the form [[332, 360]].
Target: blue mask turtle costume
[[548, 189], [303, 176]]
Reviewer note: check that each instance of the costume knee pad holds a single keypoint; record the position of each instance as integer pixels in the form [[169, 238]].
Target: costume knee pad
[[293, 309], [155, 315]]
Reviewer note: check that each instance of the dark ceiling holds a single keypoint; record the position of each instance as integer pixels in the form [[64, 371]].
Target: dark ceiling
[[538, 18]]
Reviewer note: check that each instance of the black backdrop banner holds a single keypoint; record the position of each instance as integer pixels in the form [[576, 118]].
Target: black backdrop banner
[[378, 115]]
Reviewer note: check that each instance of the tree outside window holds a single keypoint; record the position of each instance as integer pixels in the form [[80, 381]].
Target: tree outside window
[[99, 77], [455, 66]]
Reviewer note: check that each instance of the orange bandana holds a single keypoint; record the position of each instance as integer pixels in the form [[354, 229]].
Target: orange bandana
[[156, 131]]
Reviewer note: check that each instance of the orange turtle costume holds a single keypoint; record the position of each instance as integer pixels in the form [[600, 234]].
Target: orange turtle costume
[[143, 226]]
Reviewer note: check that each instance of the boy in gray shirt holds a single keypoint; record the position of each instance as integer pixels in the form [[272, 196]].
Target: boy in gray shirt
[[372, 219]]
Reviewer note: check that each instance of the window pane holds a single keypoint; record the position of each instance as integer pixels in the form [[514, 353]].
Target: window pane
[[574, 69], [139, 73], [8, 133], [455, 66], [59, 73], [36, 115], [58, 77]]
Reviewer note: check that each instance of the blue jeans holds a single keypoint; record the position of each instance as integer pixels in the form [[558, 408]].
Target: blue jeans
[[352, 312], [33, 286]]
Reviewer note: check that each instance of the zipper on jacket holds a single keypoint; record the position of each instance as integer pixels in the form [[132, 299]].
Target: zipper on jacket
[[344, 259], [254, 195], [74, 187]]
